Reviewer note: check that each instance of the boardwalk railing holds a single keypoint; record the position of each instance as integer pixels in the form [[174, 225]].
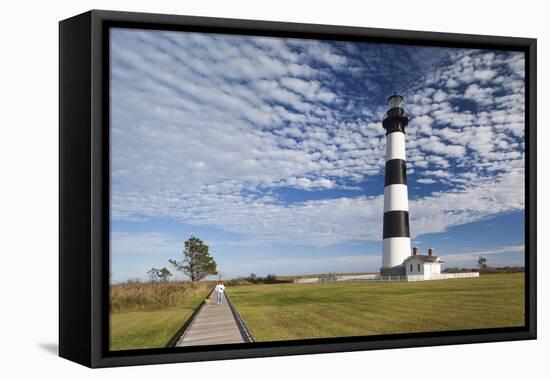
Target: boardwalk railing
[[179, 334], [245, 332]]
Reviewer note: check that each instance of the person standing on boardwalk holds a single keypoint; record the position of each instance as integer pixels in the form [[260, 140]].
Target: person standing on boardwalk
[[219, 292]]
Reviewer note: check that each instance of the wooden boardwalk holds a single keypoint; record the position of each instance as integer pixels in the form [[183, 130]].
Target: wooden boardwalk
[[215, 324]]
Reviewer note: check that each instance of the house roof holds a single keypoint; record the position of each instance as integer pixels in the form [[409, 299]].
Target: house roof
[[424, 258]]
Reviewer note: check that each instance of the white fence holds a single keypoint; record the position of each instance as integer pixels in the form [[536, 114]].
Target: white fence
[[444, 276], [377, 277], [358, 278], [441, 276], [361, 277], [307, 280]]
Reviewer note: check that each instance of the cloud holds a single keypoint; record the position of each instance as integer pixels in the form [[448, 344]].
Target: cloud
[[312, 265], [333, 221], [426, 181], [484, 75], [144, 242], [320, 52], [479, 94], [434, 144], [423, 124], [498, 253], [439, 96], [442, 210], [207, 129]]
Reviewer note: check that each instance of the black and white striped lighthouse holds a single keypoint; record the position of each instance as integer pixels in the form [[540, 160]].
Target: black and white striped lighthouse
[[396, 234]]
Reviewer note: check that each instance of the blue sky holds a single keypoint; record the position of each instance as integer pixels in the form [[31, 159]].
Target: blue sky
[[272, 151]]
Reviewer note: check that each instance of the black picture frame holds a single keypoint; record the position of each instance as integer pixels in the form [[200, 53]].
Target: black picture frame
[[84, 188]]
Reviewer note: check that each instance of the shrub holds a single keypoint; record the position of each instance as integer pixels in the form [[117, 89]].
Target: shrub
[[460, 270], [488, 269], [257, 280], [505, 269], [238, 282]]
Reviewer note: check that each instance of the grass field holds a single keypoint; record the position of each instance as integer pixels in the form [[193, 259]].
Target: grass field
[[298, 311], [148, 315]]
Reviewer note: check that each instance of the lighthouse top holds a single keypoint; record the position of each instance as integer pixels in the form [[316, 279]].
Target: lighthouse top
[[395, 101], [396, 118]]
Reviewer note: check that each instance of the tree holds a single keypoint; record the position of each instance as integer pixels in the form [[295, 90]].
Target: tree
[[197, 262], [481, 262], [271, 278], [153, 274], [164, 274]]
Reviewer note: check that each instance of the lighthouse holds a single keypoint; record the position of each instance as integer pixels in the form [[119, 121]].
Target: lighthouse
[[396, 235]]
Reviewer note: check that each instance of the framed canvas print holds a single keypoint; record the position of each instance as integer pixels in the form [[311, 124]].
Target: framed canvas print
[[233, 188]]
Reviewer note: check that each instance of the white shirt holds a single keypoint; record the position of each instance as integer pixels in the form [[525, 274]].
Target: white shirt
[[220, 288]]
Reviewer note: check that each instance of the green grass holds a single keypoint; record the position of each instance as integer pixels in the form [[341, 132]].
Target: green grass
[[153, 328], [299, 311]]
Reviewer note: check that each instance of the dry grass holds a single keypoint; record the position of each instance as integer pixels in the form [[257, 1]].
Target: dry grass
[[154, 296], [147, 315]]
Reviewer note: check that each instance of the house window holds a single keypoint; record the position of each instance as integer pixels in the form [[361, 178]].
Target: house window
[[411, 268], [419, 267]]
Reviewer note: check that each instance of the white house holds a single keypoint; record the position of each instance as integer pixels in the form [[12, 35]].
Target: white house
[[422, 267]]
